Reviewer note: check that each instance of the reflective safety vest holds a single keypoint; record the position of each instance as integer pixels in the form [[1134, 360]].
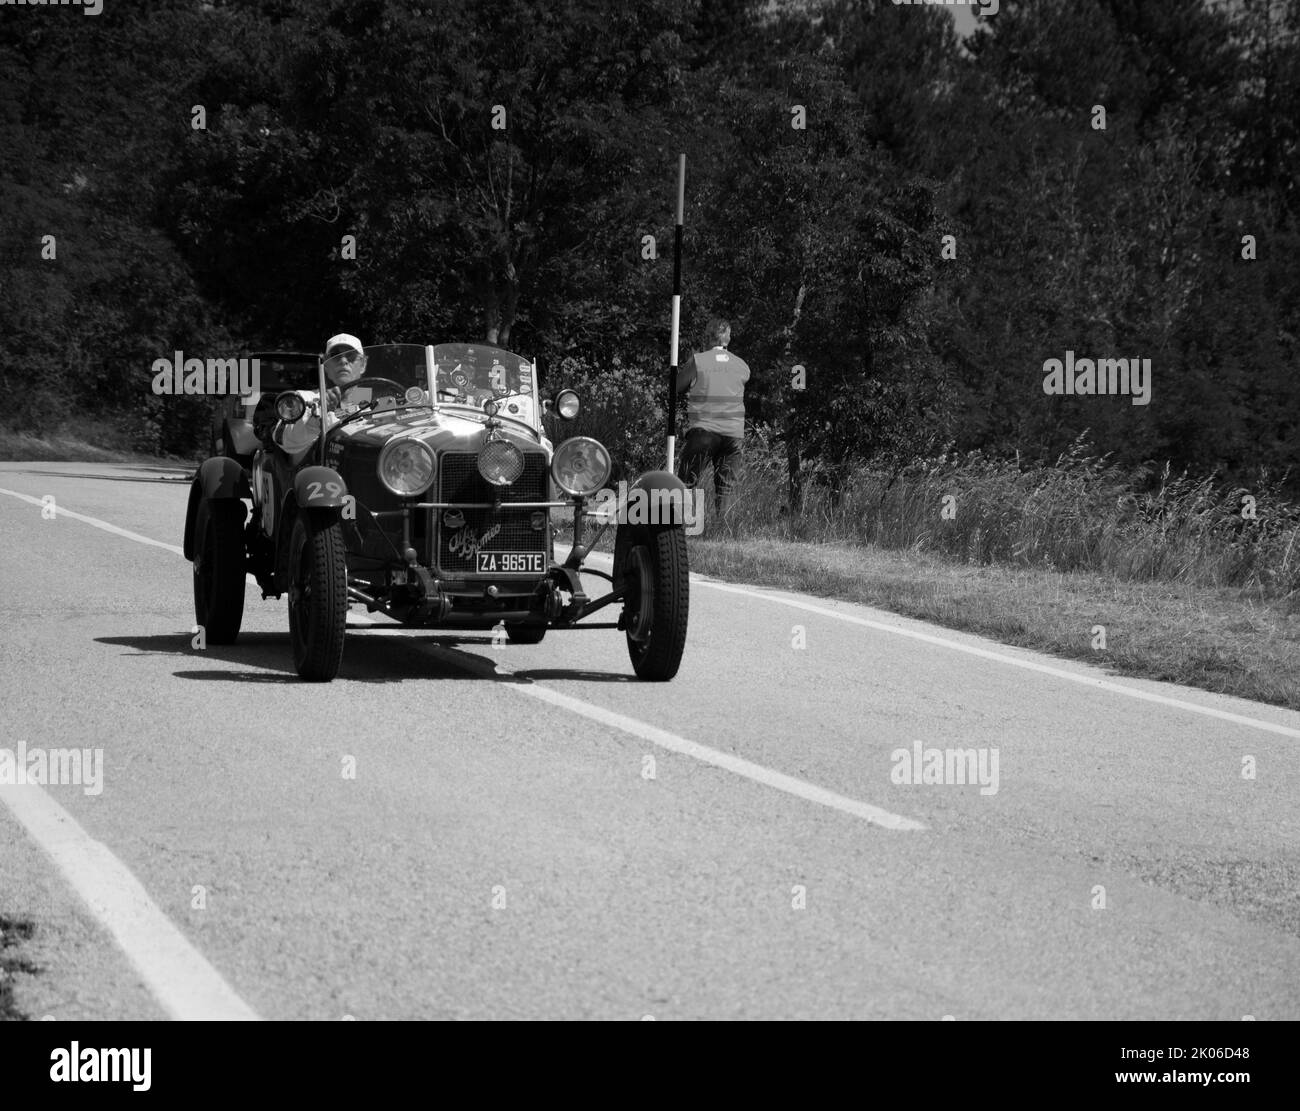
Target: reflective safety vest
[[716, 401]]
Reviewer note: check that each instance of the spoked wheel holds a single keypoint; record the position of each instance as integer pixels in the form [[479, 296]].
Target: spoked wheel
[[318, 594], [219, 569], [658, 601]]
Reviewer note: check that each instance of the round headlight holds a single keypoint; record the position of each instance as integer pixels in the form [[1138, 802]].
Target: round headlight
[[581, 466], [566, 404], [290, 406], [406, 467], [500, 462]]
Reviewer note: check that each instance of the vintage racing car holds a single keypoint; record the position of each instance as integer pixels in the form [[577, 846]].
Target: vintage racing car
[[433, 496]]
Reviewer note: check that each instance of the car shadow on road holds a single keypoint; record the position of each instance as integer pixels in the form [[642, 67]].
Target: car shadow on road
[[269, 653], [367, 658], [460, 645]]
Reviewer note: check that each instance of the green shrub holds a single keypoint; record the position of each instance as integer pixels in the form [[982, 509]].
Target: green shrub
[[622, 407]]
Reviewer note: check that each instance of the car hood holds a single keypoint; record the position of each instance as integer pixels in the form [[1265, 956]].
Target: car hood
[[443, 430]]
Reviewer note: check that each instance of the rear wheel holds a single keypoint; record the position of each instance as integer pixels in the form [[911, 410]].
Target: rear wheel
[[658, 601], [219, 569], [524, 634], [318, 594]]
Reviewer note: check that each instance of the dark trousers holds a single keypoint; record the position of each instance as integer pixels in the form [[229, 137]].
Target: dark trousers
[[724, 452]]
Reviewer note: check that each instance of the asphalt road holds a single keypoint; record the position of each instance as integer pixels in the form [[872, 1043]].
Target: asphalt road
[[530, 832]]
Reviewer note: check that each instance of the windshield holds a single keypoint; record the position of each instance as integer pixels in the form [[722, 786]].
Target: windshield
[[472, 373], [384, 376]]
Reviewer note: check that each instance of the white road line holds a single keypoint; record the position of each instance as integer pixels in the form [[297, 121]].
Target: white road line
[[127, 533], [800, 788], [757, 772], [984, 653], [59, 511], [999, 657], [186, 985], [176, 973]]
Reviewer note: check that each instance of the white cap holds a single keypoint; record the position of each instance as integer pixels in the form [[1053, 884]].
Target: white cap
[[342, 341]]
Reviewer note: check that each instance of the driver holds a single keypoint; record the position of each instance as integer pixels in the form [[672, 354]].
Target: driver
[[345, 365]]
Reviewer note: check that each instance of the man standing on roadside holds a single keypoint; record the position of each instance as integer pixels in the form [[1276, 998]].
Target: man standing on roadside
[[714, 383]]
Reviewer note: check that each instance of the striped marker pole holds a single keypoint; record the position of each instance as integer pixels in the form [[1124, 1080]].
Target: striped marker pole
[[677, 310]]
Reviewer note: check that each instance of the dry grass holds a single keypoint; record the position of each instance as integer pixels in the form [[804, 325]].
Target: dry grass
[[1079, 515], [1213, 638], [1188, 590]]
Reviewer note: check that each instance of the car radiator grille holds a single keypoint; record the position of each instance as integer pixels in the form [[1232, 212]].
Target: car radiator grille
[[459, 481]]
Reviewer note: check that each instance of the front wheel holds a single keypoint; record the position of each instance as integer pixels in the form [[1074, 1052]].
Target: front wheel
[[658, 602], [318, 594]]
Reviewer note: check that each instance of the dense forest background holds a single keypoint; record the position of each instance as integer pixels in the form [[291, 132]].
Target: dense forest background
[[822, 243]]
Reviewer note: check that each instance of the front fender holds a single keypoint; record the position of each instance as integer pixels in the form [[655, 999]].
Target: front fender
[[655, 499], [665, 497], [319, 488], [218, 478], [313, 488], [658, 480]]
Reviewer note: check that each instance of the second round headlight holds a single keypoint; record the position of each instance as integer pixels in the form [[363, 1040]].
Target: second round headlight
[[406, 467], [500, 462], [581, 466]]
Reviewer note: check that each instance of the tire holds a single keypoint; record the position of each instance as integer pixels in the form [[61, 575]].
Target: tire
[[318, 594], [524, 634], [219, 567], [661, 553]]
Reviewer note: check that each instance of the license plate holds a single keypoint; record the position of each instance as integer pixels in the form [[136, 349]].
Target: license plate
[[498, 563]]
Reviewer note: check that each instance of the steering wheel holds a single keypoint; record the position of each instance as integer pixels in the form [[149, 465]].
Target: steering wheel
[[370, 381]]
